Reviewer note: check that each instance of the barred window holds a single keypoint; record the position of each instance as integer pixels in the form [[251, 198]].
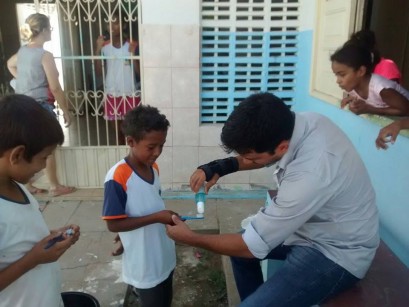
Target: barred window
[[247, 46]]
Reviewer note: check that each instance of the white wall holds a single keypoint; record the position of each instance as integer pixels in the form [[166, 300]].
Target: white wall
[[172, 12]]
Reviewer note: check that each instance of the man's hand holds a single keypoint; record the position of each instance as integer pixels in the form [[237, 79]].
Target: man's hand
[[179, 231], [198, 178]]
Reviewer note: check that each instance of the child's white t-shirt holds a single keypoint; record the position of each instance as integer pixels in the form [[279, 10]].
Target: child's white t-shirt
[[376, 85], [21, 227], [120, 78], [149, 255]]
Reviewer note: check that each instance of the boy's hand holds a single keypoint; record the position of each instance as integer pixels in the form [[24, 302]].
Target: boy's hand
[[132, 46], [74, 237], [40, 255], [100, 42], [120, 248], [165, 217]]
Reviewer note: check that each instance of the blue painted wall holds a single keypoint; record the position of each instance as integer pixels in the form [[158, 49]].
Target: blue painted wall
[[389, 170]]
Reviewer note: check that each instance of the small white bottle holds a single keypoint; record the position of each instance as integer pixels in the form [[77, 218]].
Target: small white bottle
[[200, 199]]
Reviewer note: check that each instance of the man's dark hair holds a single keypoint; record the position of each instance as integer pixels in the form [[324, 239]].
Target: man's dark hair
[[354, 56], [24, 122], [142, 120], [259, 123]]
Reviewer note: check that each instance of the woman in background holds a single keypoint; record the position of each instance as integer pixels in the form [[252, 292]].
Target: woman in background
[[36, 73]]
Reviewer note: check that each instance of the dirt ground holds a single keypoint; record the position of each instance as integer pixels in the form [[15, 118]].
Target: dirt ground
[[198, 280]]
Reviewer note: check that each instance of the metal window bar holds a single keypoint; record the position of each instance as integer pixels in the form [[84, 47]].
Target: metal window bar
[[80, 23]]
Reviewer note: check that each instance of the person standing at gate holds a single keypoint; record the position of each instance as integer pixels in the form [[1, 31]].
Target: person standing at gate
[[121, 73], [36, 73]]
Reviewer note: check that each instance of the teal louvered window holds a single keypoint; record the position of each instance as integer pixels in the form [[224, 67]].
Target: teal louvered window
[[247, 46]]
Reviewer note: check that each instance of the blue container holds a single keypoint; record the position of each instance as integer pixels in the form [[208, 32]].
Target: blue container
[[79, 299], [200, 196]]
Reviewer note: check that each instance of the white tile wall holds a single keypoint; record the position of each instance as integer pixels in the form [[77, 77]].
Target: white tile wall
[[156, 45], [210, 134], [168, 112], [185, 161], [185, 87], [165, 165], [157, 87], [185, 43], [185, 127]]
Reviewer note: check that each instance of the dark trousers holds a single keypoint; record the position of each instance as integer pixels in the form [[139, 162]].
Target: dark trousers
[[306, 278], [158, 296]]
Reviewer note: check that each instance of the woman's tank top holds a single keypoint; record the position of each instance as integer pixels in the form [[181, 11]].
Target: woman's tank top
[[31, 78]]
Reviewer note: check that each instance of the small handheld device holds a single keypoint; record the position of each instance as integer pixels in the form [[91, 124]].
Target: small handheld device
[[185, 217], [68, 232], [388, 138], [106, 35]]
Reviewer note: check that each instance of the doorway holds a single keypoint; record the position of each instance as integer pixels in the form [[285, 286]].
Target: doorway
[[390, 22]]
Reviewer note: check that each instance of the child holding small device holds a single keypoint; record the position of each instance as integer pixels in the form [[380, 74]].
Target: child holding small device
[[29, 273]]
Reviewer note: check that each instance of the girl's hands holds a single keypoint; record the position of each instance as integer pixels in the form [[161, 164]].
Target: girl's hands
[[346, 100], [358, 106]]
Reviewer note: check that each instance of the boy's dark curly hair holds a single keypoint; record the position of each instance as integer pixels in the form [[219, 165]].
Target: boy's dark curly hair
[[143, 119], [24, 122], [259, 123]]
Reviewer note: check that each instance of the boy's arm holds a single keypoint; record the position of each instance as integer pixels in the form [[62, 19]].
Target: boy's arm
[[16, 270], [98, 47], [131, 223], [37, 255]]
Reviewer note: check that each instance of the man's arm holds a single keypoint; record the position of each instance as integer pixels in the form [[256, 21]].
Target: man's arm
[[225, 244], [210, 172]]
